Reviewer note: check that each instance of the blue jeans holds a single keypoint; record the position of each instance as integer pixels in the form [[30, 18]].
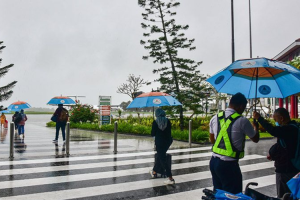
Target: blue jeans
[[226, 175], [62, 126], [21, 129]]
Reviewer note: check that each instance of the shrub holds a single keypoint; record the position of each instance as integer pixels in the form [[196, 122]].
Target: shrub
[[107, 127], [51, 124], [82, 113]]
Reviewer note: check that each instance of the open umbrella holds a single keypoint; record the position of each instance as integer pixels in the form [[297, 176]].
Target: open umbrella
[[5, 111], [258, 78], [17, 106], [154, 99], [61, 100]]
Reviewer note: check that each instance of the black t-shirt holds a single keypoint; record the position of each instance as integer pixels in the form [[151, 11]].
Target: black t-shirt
[[282, 156], [162, 138]]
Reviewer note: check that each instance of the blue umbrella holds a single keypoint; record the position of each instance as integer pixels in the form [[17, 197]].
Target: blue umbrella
[[5, 111], [61, 100], [17, 106], [154, 99], [258, 78]]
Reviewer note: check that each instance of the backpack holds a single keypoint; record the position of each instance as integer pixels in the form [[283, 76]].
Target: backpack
[[63, 115], [296, 160], [18, 118]]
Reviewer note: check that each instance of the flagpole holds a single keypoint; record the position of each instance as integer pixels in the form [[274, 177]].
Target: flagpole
[[232, 32]]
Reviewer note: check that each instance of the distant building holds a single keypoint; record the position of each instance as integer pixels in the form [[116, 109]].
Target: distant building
[[288, 54]]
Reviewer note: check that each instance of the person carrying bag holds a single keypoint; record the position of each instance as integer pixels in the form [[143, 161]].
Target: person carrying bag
[[161, 130]]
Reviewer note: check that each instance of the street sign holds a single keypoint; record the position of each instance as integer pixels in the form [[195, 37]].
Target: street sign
[[105, 113], [105, 107], [105, 118], [104, 110]]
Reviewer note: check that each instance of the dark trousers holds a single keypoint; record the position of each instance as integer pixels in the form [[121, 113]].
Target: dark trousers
[[281, 180], [162, 157], [62, 126], [226, 175]]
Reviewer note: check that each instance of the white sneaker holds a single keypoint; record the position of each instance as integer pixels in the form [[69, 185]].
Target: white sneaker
[[152, 175], [169, 182]]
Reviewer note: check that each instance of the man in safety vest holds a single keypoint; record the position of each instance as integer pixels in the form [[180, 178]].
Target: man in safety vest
[[228, 130]]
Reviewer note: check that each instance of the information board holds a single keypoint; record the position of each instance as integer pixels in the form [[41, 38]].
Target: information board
[[104, 110]]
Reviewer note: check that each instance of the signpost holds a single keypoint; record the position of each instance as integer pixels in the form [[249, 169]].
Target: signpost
[[104, 110]]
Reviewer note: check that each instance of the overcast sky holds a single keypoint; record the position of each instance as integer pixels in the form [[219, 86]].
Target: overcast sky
[[89, 47]]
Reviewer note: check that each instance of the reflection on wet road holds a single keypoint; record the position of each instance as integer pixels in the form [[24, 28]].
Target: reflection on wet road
[[41, 170]]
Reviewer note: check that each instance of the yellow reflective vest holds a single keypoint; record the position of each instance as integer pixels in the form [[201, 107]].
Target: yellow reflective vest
[[223, 144]]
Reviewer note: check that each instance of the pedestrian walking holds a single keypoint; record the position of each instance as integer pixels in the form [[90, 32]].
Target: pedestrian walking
[[14, 120], [161, 130], [286, 131], [62, 116], [2, 119], [21, 124], [228, 130]]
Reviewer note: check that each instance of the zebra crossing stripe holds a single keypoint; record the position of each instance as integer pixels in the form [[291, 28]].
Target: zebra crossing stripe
[[114, 188], [120, 173], [94, 165], [104, 156], [198, 193], [114, 163], [72, 147]]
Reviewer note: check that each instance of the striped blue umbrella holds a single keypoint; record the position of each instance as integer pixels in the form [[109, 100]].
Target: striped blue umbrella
[[154, 99], [257, 78], [5, 111], [17, 106], [61, 100]]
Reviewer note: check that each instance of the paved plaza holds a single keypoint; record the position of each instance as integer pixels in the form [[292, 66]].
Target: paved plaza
[[40, 169]]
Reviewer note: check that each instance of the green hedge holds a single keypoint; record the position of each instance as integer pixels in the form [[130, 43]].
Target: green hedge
[[147, 121], [142, 126]]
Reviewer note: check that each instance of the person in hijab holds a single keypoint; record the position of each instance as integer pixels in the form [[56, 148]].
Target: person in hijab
[[161, 130]]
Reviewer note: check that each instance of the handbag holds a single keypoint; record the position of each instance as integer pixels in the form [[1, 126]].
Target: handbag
[[54, 118]]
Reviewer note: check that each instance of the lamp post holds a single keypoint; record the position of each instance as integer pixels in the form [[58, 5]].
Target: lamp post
[[232, 32], [250, 31]]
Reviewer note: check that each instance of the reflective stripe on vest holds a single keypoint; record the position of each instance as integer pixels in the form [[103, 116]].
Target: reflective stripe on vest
[[228, 149]]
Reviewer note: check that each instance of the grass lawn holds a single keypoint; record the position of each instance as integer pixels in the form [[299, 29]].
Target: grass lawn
[[31, 113], [264, 135]]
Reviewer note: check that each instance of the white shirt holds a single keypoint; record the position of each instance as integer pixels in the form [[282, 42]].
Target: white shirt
[[240, 128]]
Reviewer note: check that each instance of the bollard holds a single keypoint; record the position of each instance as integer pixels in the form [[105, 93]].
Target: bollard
[[115, 137], [68, 140], [190, 133], [11, 142]]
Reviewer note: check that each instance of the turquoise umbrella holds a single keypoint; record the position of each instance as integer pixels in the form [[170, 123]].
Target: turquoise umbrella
[[17, 106], [257, 78], [61, 100]]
